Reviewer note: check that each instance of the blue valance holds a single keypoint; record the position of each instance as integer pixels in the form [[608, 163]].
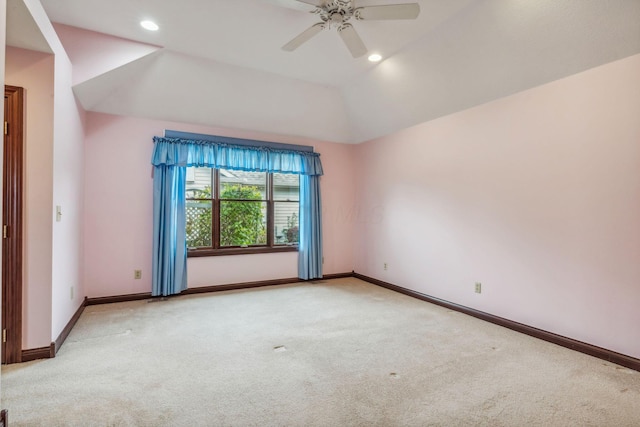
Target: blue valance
[[199, 153]]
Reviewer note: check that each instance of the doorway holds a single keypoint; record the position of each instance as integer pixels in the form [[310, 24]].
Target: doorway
[[12, 224]]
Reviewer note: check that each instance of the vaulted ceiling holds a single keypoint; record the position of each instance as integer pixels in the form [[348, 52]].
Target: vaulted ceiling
[[220, 63]]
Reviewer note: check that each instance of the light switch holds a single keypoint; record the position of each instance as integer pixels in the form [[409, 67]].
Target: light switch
[[58, 213]]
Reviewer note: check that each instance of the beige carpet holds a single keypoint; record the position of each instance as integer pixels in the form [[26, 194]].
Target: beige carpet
[[335, 353]]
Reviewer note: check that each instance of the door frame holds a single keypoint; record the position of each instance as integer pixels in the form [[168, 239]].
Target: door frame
[[12, 226]]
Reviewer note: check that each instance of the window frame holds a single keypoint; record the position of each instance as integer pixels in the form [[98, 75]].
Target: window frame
[[270, 247]]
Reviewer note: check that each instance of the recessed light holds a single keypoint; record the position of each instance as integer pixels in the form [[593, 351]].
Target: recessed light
[[149, 25], [375, 57]]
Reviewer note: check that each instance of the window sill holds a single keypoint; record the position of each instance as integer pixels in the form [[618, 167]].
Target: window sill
[[195, 253]]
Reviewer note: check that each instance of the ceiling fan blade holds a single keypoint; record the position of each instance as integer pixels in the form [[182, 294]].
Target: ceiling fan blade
[[352, 40], [389, 11], [316, 3], [294, 4], [303, 37]]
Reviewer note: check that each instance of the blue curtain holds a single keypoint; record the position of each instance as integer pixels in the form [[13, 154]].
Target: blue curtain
[[310, 246], [169, 274], [187, 152], [171, 156]]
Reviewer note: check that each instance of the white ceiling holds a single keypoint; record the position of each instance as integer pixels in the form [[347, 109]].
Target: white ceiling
[[22, 30], [220, 61]]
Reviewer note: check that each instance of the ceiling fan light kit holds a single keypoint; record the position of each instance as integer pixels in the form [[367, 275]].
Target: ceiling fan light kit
[[337, 13]]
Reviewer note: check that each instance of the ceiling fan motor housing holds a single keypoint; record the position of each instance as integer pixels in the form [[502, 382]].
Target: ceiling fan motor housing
[[336, 12]]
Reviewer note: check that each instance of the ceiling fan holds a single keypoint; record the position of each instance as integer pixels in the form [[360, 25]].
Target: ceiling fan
[[338, 13]]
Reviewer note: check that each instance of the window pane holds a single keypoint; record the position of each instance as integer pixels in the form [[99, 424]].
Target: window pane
[[198, 183], [286, 222], [198, 224], [243, 223], [243, 185], [286, 186]]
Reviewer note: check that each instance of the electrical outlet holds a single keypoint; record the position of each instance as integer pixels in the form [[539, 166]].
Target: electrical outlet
[[385, 266], [137, 274], [478, 288]]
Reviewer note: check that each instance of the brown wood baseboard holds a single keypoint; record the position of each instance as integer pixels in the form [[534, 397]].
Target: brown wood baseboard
[[67, 329], [207, 289], [39, 353], [117, 298], [237, 286], [50, 352], [582, 347], [248, 285], [337, 276]]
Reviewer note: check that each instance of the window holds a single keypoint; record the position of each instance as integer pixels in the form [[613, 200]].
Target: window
[[231, 211]]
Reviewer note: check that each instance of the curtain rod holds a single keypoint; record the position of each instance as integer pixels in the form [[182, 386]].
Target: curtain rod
[[238, 141]]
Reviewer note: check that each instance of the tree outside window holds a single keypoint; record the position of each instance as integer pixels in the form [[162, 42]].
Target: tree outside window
[[238, 209]]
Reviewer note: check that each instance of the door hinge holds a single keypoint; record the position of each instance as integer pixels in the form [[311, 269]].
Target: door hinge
[[4, 335], [6, 128], [5, 231]]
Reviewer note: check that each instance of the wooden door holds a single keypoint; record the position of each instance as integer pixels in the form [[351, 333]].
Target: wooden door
[[12, 225]]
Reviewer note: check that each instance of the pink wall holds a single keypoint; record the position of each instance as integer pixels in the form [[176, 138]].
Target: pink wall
[[68, 192], [118, 210], [34, 72], [536, 196]]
